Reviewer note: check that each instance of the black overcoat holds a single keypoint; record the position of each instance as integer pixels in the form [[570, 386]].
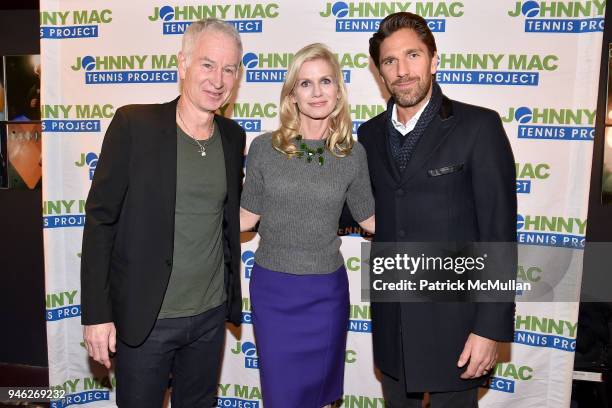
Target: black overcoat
[[459, 185], [128, 237]]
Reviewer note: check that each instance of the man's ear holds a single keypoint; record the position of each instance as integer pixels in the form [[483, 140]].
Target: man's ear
[[434, 63], [182, 64]]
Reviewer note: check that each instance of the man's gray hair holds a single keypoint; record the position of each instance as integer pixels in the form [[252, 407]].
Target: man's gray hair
[[196, 28]]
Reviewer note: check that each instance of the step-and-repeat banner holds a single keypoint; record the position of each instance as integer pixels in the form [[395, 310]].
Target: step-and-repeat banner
[[535, 62]]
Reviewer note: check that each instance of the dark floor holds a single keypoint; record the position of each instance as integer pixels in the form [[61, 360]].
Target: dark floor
[[584, 394], [18, 375]]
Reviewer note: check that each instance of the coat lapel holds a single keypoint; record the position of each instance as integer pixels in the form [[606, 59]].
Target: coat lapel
[[434, 136], [228, 148], [167, 154], [382, 145]]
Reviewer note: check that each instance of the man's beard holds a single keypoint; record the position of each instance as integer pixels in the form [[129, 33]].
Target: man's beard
[[407, 99]]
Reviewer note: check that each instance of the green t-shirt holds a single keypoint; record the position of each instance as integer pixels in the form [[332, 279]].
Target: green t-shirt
[[197, 280]]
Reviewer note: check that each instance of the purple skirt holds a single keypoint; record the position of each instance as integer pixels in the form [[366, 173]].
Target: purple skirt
[[300, 324]]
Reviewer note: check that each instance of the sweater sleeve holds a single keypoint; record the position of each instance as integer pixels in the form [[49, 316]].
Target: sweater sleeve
[[252, 192], [359, 194]]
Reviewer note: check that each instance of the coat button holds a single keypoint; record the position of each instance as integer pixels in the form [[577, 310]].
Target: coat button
[[401, 233], [399, 192], [169, 263]]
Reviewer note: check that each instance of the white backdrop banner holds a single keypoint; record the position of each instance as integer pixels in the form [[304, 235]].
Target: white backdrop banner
[[535, 62]]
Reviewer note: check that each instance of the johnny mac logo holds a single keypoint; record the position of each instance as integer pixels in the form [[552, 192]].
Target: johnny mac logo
[[89, 161], [238, 396], [246, 18], [74, 118], [248, 260], [568, 232], [350, 356], [249, 351], [531, 274], [115, 69], [561, 16], [360, 319], [353, 264], [272, 67], [362, 113], [369, 401], [360, 315], [494, 69], [506, 376], [366, 16], [247, 317], [78, 391], [553, 123], [526, 173], [63, 213], [538, 331], [62, 305], [73, 23], [250, 115]]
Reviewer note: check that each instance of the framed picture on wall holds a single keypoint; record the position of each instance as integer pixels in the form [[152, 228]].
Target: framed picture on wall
[[4, 180], [609, 104], [22, 87], [606, 179], [24, 145], [2, 93]]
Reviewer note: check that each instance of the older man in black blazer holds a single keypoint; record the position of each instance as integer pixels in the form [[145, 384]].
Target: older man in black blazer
[[161, 248], [441, 170]]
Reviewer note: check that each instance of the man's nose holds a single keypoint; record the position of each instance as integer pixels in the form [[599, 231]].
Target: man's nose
[[217, 78], [403, 68]]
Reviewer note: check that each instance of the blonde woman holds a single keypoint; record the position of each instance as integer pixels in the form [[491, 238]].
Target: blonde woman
[[298, 179]]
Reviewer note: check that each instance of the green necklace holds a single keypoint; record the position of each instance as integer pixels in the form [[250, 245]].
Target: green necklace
[[308, 153]]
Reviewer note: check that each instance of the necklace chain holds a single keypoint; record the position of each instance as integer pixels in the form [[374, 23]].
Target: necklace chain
[[304, 151], [201, 146]]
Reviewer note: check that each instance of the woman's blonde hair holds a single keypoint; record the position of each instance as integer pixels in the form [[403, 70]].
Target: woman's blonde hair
[[340, 139]]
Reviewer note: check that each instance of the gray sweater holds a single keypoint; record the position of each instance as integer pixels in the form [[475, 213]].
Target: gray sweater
[[300, 204]]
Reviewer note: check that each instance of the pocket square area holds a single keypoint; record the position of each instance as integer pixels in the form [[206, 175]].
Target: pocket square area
[[444, 170]]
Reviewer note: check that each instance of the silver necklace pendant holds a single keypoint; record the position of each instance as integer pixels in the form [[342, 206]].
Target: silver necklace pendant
[[201, 147]]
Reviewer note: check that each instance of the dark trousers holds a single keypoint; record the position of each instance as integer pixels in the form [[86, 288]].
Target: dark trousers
[[394, 392], [189, 348], [395, 395]]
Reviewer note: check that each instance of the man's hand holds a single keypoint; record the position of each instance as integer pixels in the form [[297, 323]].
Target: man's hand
[[481, 354], [99, 338]]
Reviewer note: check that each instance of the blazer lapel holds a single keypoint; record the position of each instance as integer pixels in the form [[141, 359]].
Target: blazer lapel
[[382, 145], [228, 148], [434, 136], [167, 153]]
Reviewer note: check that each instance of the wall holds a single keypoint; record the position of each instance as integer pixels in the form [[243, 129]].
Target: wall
[[21, 246]]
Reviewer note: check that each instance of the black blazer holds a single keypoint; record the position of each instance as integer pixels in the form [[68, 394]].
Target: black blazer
[[129, 227], [458, 186]]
